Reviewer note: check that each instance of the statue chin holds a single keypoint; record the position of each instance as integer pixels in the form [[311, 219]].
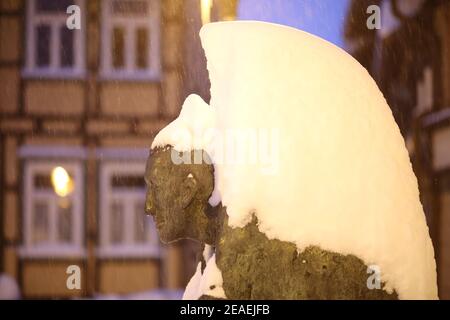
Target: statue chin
[[167, 240], [167, 236], [164, 236]]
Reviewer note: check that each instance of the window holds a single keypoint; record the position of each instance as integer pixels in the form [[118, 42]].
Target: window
[[130, 39], [125, 230], [53, 208], [53, 50]]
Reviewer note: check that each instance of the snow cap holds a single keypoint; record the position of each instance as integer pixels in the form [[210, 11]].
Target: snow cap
[[344, 181]]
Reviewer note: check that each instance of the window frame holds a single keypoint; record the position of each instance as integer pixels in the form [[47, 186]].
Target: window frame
[[128, 248], [130, 72], [55, 21], [54, 248]]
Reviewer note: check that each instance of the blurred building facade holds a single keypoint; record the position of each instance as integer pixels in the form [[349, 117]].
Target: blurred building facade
[[89, 101], [409, 58]]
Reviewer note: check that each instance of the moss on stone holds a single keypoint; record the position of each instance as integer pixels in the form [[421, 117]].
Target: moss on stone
[[254, 267]]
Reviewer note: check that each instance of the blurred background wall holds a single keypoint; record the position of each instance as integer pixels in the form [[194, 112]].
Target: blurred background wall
[[409, 59], [79, 109]]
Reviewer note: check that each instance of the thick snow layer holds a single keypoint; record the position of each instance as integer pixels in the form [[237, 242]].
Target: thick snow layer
[[343, 178], [191, 129], [192, 289], [207, 283]]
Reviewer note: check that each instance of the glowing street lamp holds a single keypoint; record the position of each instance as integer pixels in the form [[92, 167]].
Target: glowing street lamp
[[61, 181]]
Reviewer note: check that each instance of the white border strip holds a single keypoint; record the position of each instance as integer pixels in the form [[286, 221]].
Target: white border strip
[[122, 153], [436, 117]]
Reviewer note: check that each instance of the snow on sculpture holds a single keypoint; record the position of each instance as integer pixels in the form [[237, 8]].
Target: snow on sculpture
[[343, 180]]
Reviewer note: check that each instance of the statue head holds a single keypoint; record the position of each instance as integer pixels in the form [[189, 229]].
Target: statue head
[[177, 196]]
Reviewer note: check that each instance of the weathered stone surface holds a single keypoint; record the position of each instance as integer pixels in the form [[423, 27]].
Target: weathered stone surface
[[177, 198], [252, 266]]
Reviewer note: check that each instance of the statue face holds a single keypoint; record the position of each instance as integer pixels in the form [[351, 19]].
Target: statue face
[[169, 193]]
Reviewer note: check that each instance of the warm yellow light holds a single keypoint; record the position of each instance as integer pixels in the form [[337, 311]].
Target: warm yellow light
[[61, 181], [206, 6]]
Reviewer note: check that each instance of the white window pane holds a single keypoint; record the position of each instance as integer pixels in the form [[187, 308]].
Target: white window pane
[[132, 31], [40, 222], [53, 6], [66, 48], [128, 182], [42, 182], [64, 216], [51, 222], [43, 34], [118, 47], [140, 223], [142, 48], [52, 48], [116, 222]]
